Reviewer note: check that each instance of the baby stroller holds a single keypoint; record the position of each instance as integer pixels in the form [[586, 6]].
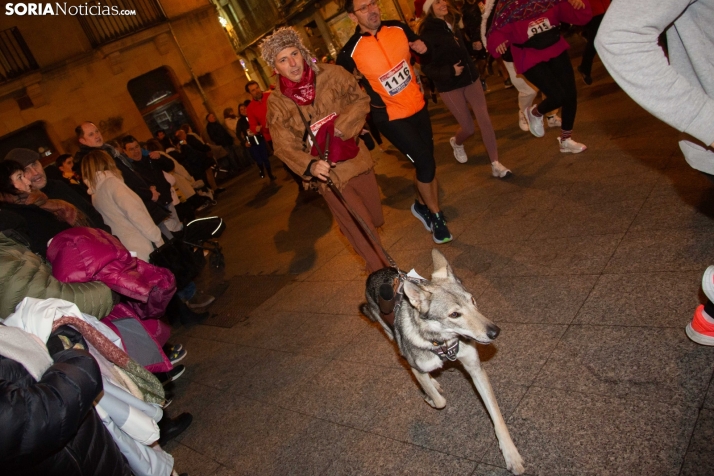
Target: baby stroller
[[201, 233]]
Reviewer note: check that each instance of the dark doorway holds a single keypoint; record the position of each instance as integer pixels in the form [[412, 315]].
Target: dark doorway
[[160, 101], [34, 137]]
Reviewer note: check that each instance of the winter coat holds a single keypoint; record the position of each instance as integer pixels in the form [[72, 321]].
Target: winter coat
[[81, 255], [152, 171], [24, 274], [124, 211], [49, 427], [448, 47], [218, 134], [337, 91], [60, 190], [131, 179], [257, 113], [38, 225]]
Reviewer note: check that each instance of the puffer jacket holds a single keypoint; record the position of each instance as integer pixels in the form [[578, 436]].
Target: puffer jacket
[[447, 49], [81, 255], [24, 274], [337, 92], [49, 427]]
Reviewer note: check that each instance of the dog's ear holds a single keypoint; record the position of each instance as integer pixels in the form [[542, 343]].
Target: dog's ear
[[442, 270], [419, 297]]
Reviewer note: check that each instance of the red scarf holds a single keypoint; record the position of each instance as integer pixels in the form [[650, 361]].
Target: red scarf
[[302, 92]]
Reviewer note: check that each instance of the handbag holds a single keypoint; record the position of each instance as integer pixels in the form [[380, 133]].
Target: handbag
[[180, 259]]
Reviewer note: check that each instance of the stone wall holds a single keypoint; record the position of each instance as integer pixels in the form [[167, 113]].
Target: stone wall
[[77, 83]]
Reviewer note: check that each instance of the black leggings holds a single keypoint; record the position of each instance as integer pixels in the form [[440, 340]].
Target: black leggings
[[556, 79], [586, 63], [413, 137]]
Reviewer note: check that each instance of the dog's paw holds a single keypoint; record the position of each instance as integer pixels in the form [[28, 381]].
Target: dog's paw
[[441, 403], [514, 462]]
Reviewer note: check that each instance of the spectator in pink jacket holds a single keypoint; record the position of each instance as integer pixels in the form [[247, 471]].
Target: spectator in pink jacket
[[530, 28]]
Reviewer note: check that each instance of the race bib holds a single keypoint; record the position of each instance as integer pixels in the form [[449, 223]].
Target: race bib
[[316, 126], [396, 78], [538, 26]]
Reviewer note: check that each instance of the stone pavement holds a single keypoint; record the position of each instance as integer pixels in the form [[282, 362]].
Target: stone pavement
[[590, 264]]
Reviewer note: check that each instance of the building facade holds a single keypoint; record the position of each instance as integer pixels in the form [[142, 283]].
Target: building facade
[[170, 63]]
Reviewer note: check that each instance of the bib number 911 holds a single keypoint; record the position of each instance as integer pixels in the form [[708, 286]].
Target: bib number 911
[[538, 26], [396, 79]]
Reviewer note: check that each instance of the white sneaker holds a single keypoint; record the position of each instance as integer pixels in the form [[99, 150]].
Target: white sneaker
[[499, 171], [570, 146], [535, 124], [554, 121], [522, 123], [459, 152]]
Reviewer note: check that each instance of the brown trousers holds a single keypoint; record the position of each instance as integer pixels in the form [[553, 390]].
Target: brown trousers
[[362, 194]]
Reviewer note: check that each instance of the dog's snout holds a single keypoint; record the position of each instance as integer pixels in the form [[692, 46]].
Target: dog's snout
[[493, 331]]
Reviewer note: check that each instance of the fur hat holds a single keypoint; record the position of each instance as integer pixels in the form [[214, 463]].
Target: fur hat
[[282, 38]]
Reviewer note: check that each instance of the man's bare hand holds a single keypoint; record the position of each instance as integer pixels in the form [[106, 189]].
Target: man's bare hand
[[501, 49], [321, 170], [418, 46], [154, 194], [477, 45], [458, 68], [577, 4], [154, 155]]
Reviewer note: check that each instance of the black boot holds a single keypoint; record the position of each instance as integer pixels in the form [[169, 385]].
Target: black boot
[[177, 310], [170, 428], [270, 172]]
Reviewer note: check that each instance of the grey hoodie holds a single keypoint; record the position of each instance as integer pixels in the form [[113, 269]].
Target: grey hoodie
[[679, 92]]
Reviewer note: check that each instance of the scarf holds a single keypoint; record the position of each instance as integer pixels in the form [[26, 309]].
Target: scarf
[[148, 384], [511, 11], [63, 211], [302, 92]]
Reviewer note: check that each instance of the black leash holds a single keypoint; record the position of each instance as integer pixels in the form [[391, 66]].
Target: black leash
[[324, 156]]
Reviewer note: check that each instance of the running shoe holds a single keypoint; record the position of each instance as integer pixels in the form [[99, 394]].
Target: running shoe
[[570, 146], [459, 152], [553, 120], [535, 124], [167, 377], [422, 213], [499, 171], [177, 356], [522, 123], [440, 233], [700, 330], [200, 300]]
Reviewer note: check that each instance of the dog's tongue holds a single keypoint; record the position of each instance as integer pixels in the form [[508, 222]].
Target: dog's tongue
[[414, 274]]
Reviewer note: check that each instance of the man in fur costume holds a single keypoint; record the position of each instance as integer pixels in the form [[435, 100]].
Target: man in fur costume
[[328, 100]]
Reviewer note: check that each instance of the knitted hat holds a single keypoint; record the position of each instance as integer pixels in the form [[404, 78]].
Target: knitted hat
[[282, 38], [24, 157]]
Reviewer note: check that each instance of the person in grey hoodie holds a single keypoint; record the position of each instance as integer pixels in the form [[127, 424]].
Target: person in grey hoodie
[[680, 91]]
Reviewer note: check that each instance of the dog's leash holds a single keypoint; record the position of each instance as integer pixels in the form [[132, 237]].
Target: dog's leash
[[443, 350], [324, 156]]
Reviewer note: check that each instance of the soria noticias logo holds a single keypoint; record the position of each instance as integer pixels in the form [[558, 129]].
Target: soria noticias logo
[[57, 8]]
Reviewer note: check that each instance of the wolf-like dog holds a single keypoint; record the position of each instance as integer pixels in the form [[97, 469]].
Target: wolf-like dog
[[433, 320]]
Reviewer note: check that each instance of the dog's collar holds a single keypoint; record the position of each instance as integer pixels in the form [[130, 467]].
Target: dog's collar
[[446, 351]]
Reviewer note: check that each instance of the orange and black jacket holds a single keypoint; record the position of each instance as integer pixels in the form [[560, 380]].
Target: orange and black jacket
[[384, 60]]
